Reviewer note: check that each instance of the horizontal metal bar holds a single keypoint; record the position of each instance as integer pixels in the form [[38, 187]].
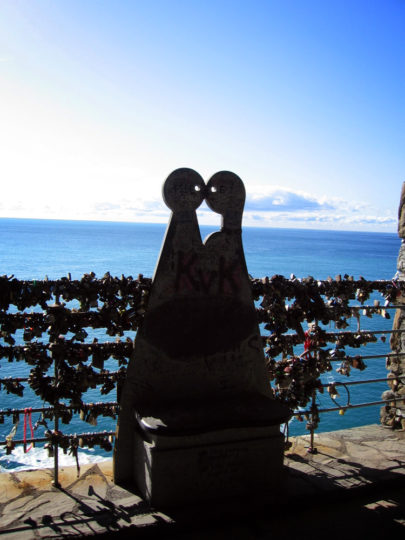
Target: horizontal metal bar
[[360, 332], [369, 357], [87, 435], [398, 331], [340, 359], [359, 405], [121, 348], [365, 356], [27, 441], [22, 411], [356, 406], [62, 407], [352, 383], [14, 379], [381, 307], [296, 339], [131, 282], [50, 286], [51, 378]]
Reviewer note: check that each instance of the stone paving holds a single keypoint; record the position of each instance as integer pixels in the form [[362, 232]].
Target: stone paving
[[356, 479]]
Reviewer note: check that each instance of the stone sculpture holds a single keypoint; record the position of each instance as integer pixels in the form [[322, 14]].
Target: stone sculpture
[[197, 415]]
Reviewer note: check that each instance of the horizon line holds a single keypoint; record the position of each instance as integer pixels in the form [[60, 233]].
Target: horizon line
[[89, 220]]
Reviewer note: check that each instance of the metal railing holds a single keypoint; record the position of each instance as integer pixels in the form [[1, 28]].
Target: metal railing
[[117, 305], [313, 412]]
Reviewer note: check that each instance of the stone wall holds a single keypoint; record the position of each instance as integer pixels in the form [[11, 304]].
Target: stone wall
[[393, 414]]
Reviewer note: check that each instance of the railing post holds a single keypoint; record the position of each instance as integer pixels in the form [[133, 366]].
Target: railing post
[[55, 482], [314, 412]]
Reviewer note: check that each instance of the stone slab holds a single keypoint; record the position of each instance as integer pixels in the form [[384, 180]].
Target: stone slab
[[325, 493]]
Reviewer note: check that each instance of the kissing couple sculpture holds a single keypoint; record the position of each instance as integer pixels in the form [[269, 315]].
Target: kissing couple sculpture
[[200, 340]]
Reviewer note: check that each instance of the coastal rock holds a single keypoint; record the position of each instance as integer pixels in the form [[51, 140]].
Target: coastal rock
[[401, 214], [392, 415]]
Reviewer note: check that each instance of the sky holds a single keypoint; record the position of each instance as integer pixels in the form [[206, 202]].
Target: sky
[[304, 100]]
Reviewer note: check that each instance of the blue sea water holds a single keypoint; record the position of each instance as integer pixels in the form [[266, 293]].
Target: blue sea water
[[33, 249]]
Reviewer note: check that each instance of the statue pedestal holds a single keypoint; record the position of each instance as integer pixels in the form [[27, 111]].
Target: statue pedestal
[[202, 452]]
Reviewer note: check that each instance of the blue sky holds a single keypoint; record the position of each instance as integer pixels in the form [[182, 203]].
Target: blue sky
[[304, 100]]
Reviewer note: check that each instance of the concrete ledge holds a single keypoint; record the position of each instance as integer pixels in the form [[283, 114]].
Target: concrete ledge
[[345, 460], [360, 470]]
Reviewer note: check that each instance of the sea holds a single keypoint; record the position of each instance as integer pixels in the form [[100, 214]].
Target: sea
[[32, 249]]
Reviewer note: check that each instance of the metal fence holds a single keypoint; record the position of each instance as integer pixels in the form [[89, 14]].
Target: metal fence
[[63, 341]]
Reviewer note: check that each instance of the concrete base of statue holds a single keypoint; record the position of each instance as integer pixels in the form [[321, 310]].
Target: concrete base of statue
[[178, 460]]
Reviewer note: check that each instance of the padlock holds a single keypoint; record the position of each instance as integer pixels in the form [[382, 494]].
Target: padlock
[[50, 449], [10, 445]]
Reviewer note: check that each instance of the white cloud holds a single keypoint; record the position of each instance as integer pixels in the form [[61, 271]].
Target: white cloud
[[278, 206], [320, 219], [266, 206], [278, 199]]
